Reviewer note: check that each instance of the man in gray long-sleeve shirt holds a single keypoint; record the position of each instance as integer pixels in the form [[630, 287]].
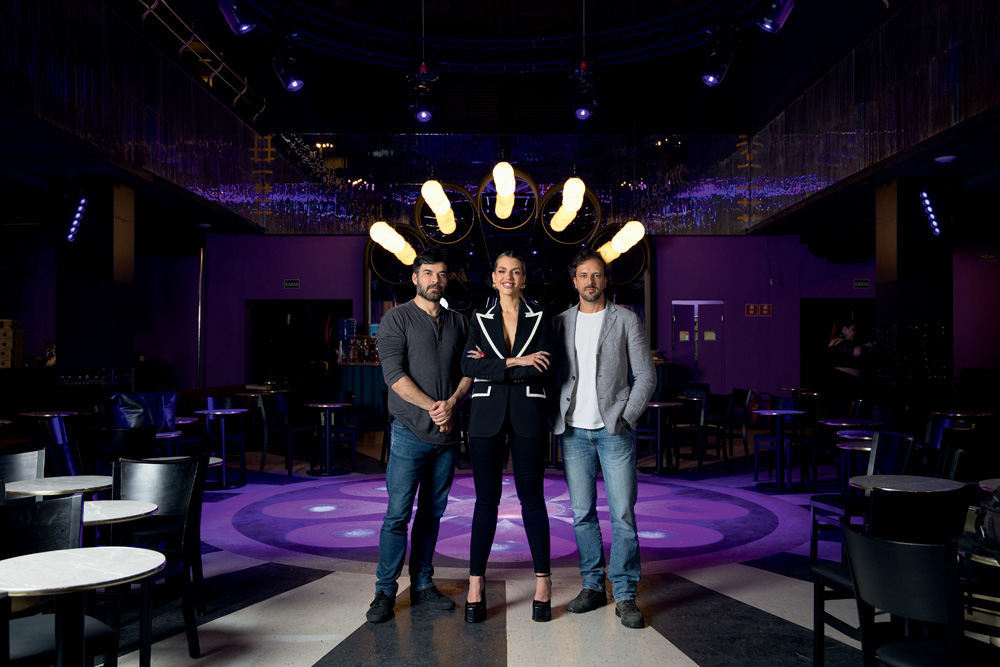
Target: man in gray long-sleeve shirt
[[420, 345]]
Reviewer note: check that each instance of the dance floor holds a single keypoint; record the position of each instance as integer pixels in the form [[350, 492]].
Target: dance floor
[[290, 567]]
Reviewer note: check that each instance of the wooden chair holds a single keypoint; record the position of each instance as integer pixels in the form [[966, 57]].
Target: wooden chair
[[33, 527]]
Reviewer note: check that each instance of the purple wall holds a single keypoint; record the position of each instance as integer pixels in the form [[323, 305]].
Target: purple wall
[[167, 315], [760, 353], [238, 268], [976, 308]]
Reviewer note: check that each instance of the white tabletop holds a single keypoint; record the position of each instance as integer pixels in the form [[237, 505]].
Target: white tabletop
[[990, 484], [213, 461], [169, 434], [67, 570], [910, 483], [59, 486], [332, 406], [778, 413], [221, 411], [115, 511]]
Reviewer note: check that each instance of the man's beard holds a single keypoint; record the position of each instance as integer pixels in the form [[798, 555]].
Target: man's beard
[[427, 294], [591, 298]]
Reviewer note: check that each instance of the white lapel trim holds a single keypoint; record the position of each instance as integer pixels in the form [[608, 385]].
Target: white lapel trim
[[488, 315], [534, 329]]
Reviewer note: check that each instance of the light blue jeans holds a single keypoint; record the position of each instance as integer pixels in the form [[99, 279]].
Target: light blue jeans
[[412, 464], [582, 449]]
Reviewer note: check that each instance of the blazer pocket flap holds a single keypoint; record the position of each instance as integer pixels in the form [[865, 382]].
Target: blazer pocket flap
[[535, 391]]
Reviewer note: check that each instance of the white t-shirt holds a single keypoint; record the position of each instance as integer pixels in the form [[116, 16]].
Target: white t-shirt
[[583, 411]]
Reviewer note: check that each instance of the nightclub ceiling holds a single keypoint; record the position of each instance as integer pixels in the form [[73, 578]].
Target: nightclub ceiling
[[660, 145]]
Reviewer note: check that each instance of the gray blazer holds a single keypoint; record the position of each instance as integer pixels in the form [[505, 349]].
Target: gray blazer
[[622, 345]]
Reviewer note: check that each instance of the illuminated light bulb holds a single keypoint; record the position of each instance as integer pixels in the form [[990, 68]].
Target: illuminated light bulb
[[406, 255], [435, 197], [574, 189], [446, 222], [628, 236], [503, 179], [561, 219], [505, 206], [608, 253], [380, 231]]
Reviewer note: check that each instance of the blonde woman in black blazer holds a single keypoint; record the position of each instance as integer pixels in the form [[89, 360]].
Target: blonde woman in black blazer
[[507, 357]]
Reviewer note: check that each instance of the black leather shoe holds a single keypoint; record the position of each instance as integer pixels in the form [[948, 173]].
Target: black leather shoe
[[587, 600], [433, 597], [381, 608], [629, 613], [541, 611], [475, 612]]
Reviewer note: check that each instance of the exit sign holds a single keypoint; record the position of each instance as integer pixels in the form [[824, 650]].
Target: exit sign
[[291, 283], [862, 283]]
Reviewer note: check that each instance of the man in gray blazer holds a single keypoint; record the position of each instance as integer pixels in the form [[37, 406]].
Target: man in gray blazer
[[598, 343]]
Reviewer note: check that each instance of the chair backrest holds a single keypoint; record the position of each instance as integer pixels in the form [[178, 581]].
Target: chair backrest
[[925, 518], [913, 581], [23, 465], [936, 424], [46, 525], [177, 487], [111, 444], [890, 453], [889, 417], [853, 409]]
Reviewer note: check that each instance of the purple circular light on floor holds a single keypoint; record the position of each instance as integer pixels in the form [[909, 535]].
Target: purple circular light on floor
[[675, 520]]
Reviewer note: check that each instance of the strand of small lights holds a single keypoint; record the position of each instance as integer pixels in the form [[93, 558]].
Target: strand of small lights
[[932, 218], [74, 225]]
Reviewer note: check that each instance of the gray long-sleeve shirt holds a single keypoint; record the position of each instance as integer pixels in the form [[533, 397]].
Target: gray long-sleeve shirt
[[427, 350]]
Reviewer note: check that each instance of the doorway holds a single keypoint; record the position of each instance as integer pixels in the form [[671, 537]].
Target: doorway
[[293, 341], [698, 343]]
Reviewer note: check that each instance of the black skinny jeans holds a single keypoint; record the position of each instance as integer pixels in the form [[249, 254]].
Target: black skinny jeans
[[528, 455]]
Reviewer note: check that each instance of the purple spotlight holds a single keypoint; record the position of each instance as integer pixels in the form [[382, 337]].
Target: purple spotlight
[[937, 232], [924, 195], [75, 224], [83, 201], [424, 115], [71, 237], [775, 15], [710, 80], [233, 12], [582, 113]]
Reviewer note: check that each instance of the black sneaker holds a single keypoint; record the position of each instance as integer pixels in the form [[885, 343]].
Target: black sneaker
[[587, 600], [380, 610], [629, 613], [431, 596]]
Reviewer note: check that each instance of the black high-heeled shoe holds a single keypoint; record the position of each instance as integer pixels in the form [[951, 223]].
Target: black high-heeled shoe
[[541, 611], [475, 612]]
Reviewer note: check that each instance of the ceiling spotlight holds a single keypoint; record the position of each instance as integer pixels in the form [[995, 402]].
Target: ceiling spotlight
[[236, 15], [421, 98], [775, 15], [718, 61], [286, 65], [584, 93], [932, 217]]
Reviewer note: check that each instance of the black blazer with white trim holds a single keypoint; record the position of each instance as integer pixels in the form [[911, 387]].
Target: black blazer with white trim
[[496, 388]]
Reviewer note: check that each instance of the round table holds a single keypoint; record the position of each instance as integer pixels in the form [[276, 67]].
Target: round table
[[856, 434], [905, 483], [59, 486], [779, 442], [659, 406], [100, 512], [67, 574], [990, 484], [213, 461], [222, 413], [965, 415], [849, 421], [328, 470]]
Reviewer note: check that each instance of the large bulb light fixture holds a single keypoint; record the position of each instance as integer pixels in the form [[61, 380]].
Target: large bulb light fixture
[[932, 216], [627, 236], [434, 196], [719, 61], [504, 182], [387, 237], [286, 65], [573, 191]]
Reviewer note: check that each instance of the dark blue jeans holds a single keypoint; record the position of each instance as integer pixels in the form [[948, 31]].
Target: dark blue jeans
[[413, 464]]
